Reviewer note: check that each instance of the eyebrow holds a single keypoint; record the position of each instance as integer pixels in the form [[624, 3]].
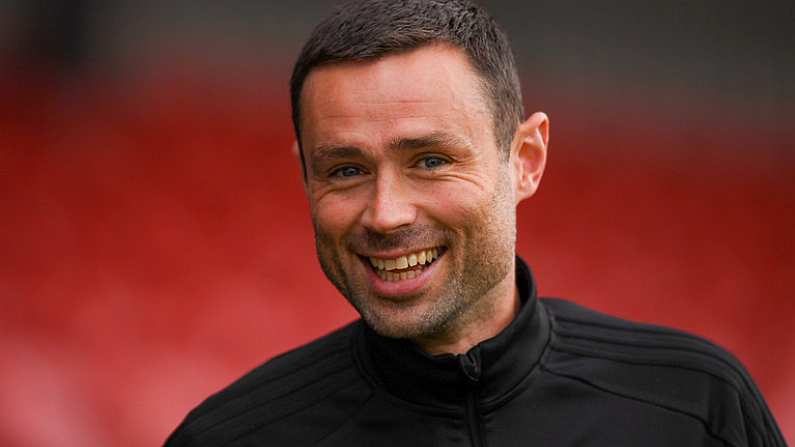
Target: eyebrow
[[435, 139]]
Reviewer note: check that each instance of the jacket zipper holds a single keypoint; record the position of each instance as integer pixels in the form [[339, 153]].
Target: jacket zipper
[[470, 366]]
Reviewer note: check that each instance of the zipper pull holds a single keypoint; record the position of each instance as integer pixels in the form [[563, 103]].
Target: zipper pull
[[470, 364]]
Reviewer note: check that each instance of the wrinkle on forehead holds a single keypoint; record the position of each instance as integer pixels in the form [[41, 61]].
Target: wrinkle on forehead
[[423, 90], [432, 79]]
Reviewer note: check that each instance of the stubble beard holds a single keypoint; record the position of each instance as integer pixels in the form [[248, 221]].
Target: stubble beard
[[488, 258]]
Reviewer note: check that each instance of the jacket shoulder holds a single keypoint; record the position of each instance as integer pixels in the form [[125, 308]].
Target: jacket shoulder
[[319, 380], [664, 367]]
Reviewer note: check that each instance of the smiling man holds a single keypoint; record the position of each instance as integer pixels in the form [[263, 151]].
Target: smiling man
[[412, 199], [416, 153]]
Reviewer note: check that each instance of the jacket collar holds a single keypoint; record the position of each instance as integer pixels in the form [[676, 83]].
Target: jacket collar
[[492, 368]]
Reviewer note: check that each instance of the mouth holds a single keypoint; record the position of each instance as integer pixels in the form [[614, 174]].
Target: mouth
[[404, 267]]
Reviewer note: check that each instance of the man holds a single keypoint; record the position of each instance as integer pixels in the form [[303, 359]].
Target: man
[[415, 151]]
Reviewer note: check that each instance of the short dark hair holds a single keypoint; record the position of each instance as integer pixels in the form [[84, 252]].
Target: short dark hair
[[368, 29]]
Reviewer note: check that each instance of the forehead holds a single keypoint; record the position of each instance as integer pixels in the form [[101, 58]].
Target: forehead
[[415, 92]]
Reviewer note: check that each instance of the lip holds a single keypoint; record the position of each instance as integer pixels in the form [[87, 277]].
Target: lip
[[399, 289]]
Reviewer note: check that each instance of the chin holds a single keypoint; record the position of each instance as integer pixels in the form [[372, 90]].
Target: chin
[[402, 320]]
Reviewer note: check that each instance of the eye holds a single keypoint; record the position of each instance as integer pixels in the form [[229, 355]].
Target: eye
[[432, 162], [346, 171]]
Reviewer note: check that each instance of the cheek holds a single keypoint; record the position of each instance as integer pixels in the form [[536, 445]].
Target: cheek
[[455, 206], [334, 216]]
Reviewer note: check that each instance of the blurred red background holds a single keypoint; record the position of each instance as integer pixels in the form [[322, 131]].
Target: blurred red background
[[156, 242]]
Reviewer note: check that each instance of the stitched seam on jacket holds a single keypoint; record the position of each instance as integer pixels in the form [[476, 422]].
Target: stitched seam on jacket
[[598, 339], [707, 428], [744, 378], [646, 329], [570, 334], [263, 424], [201, 430], [754, 406], [753, 425], [350, 418]]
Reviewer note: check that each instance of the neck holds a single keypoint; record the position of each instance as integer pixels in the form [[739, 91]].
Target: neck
[[485, 320]]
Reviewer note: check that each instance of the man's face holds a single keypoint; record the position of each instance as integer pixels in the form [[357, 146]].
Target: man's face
[[412, 203]]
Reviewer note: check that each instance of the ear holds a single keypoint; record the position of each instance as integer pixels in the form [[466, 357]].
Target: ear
[[529, 154]]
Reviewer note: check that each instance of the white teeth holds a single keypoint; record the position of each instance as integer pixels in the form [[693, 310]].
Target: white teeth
[[395, 276], [422, 257]]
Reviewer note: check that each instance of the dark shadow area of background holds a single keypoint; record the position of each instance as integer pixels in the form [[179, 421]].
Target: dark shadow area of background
[[156, 243]]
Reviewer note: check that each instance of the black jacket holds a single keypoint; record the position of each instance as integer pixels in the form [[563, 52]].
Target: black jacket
[[558, 375]]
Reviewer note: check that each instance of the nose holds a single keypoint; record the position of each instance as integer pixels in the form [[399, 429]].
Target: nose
[[391, 205]]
